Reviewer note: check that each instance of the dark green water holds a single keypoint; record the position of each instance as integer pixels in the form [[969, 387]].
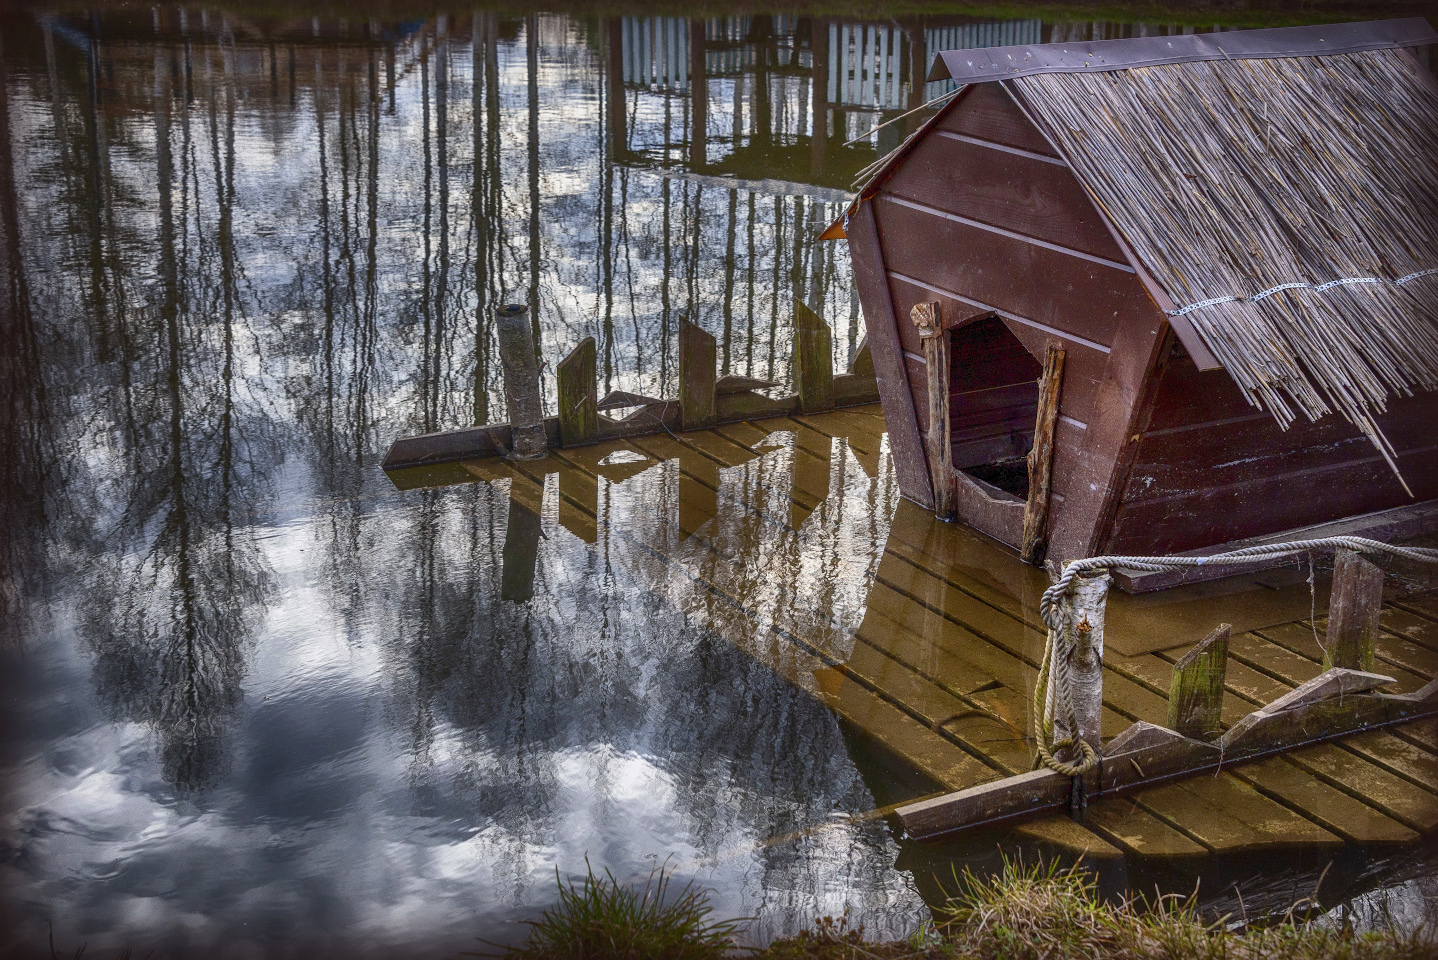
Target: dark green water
[[260, 702]]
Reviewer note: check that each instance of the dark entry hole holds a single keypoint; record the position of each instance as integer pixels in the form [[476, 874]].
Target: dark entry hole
[[993, 399]]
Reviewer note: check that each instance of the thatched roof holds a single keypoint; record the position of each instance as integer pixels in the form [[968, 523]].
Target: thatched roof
[[1236, 163]]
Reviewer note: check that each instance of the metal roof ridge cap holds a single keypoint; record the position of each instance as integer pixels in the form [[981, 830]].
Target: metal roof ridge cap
[[982, 64]]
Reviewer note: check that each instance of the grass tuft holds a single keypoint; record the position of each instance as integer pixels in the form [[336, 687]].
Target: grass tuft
[[1042, 912], [602, 920]]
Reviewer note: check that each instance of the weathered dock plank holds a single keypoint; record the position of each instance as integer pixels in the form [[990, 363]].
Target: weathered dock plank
[[1131, 826], [1400, 799], [1332, 808]]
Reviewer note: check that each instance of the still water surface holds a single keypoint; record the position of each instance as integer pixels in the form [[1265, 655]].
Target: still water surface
[[260, 701]]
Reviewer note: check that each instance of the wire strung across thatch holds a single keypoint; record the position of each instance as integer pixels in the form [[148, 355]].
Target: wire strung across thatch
[[1230, 177]]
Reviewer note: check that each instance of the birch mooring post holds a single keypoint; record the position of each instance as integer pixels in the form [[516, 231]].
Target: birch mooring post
[[813, 360], [521, 382], [1041, 459], [578, 396], [1195, 694], [1090, 597], [1353, 610], [938, 443], [697, 376]]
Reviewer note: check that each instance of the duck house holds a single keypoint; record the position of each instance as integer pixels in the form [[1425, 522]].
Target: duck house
[[1164, 295]]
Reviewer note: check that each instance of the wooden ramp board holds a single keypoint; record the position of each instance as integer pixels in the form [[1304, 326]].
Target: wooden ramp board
[[933, 650]]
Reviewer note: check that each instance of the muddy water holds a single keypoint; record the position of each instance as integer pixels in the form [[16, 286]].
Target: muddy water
[[261, 700]]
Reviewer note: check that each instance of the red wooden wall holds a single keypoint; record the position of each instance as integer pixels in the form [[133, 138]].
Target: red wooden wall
[[984, 217], [1151, 456], [1211, 469]]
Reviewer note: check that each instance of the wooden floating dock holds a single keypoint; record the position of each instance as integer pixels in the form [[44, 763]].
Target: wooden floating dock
[[938, 666], [705, 398]]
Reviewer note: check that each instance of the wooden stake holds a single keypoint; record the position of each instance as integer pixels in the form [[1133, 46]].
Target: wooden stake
[[696, 377], [1353, 610], [578, 396], [1041, 457], [813, 360], [1195, 695], [521, 382], [938, 442]]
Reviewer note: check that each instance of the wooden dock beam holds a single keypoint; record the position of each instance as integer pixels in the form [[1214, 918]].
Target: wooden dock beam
[[1334, 704], [705, 399]]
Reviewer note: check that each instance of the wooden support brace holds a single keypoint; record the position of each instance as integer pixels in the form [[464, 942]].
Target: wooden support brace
[[939, 442], [697, 376], [521, 382], [1041, 458], [578, 396], [813, 360], [1195, 695], [1353, 611]]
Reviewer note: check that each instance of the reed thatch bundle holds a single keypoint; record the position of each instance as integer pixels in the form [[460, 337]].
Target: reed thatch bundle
[[1230, 177]]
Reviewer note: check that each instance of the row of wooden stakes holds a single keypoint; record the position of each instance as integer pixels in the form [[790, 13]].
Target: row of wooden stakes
[[705, 398], [1341, 700]]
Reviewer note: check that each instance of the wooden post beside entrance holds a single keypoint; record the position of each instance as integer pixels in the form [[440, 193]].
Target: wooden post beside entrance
[[938, 442], [1041, 458], [1353, 611], [521, 382], [578, 397]]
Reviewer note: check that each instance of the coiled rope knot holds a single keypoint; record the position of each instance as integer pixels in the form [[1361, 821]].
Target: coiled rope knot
[[1065, 643], [1068, 642]]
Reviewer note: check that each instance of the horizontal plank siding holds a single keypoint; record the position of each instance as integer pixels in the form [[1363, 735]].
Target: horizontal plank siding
[[1210, 468], [987, 113], [1208, 517], [1188, 396], [1024, 194], [905, 295], [1052, 288]]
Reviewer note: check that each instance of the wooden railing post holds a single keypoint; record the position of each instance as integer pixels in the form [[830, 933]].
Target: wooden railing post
[[813, 360], [521, 382], [1353, 610], [938, 442], [1041, 457], [697, 376], [578, 396], [1195, 694]]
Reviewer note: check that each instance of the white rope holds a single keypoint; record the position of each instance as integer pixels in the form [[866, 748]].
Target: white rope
[[1316, 288], [1056, 609]]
